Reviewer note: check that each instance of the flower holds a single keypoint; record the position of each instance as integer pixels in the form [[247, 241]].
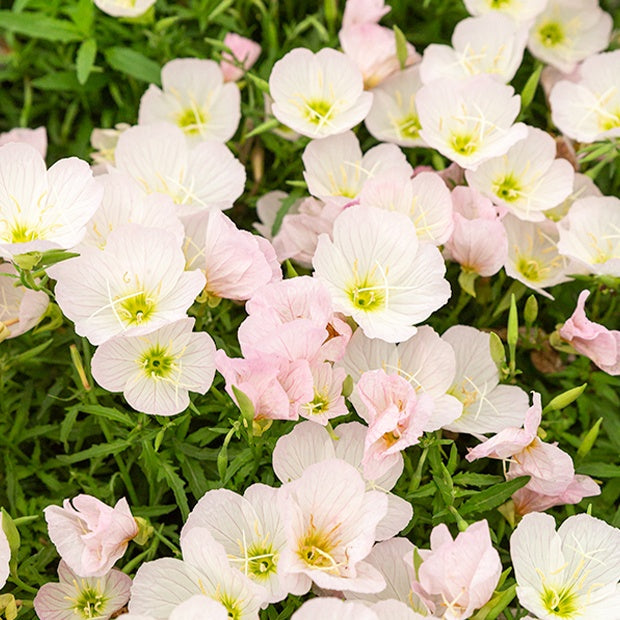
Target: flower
[[330, 607], [527, 179], [491, 44], [194, 98], [43, 209], [458, 575], [571, 573], [196, 607], [568, 31], [378, 273], [470, 120], [5, 555], [588, 108], [595, 341], [125, 8], [243, 51], [520, 10], [328, 401], [135, 285], [89, 535], [82, 597], [330, 529], [363, 12], [590, 234], [319, 94], [20, 308], [35, 137], [155, 371]]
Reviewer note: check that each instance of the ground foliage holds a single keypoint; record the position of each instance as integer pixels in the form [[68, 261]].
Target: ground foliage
[[71, 68]]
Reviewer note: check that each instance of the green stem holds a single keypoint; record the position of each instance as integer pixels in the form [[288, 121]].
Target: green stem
[[24, 586]]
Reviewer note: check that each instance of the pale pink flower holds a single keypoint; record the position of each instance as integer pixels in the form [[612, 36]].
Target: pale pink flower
[[363, 12], [512, 439], [373, 49], [586, 107], [425, 361], [82, 597], [379, 274], [458, 576], [197, 607], [89, 535], [35, 137], [156, 371], [276, 387], [395, 414], [319, 94], [250, 529], [328, 401], [522, 11], [194, 98], [20, 308], [162, 588], [235, 262], [478, 242], [243, 51], [158, 157], [124, 8], [595, 341], [393, 116], [569, 574], [124, 203], [334, 167], [132, 287], [470, 120], [330, 529], [43, 209], [5, 555], [267, 207], [568, 31], [310, 443], [328, 607], [104, 142], [491, 44]]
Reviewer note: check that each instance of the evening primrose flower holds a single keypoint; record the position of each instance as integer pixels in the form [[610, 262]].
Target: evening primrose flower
[[393, 116], [155, 371], [319, 94], [588, 109], [43, 209], [379, 274], [35, 137], [197, 607], [469, 120], [135, 285], [527, 179], [569, 574], [82, 598], [124, 8], [194, 98], [521, 11], [492, 44], [243, 51], [568, 31], [590, 233]]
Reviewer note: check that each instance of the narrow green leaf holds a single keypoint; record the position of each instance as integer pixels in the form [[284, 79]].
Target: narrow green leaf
[[589, 439], [246, 406], [39, 26], [85, 60], [401, 47], [133, 63], [529, 90], [493, 496]]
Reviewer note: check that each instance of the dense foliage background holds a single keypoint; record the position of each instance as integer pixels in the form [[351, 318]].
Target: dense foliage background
[[69, 67]]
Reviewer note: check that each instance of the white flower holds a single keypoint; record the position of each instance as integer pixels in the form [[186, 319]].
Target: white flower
[[335, 167], [519, 10], [134, 286], [492, 44], [194, 98], [318, 94], [158, 158], [155, 371], [469, 120], [590, 233], [124, 8], [588, 110], [393, 116], [379, 274], [42, 209], [571, 574], [528, 179], [568, 31]]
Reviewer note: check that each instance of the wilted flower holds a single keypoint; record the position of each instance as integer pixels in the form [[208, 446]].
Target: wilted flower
[[569, 574], [35, 137], [318, 94], [194, 98], [243, 51], [82, 597], [89, 535]]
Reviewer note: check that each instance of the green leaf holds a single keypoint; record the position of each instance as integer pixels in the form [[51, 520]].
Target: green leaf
[[39, 26], [496, 605], [467, 281], [246, 406], [401, 47], [67, 80], [133, 63], [600, 470], [493, 496], [85, 60], [529, 90], [589, 439], [177, 485]]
